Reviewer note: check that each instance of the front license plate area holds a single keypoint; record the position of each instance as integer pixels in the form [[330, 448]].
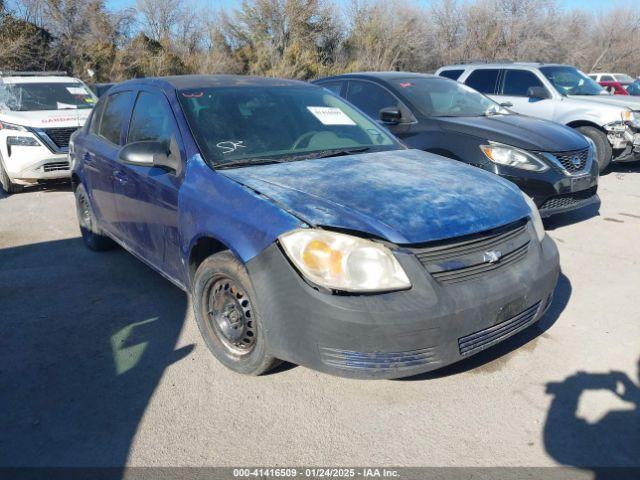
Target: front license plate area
[[580, 183], [511, 309]]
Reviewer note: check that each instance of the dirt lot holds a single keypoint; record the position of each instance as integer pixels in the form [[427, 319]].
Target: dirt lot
[[101, 363]]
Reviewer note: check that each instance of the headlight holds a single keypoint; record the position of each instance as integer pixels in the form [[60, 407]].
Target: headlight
[[11, 126], [513, 157], [538, 226], [344, 262], [631, 118], [22, 141]]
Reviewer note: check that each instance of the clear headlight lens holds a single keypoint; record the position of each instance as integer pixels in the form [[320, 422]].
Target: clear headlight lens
[[22, 141], [344, 262], [538, 226], [11, 126], [513, 157], [631, 118]]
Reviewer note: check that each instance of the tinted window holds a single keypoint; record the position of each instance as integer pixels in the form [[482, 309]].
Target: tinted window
[[237, 124], [452, 74], [335, 87], [483, 80], [95, 117], [607, 78], [518, 82], [152, 119], [115, 114], [370, 98]]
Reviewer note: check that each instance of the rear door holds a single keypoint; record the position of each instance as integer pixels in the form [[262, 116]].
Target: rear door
[[514, 87], [99, 153], [147, 196]]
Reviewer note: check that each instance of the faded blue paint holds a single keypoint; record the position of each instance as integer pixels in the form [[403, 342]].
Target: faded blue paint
[[404, 196]]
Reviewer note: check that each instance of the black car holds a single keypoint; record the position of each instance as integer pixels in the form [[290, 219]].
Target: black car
[[552, 163]]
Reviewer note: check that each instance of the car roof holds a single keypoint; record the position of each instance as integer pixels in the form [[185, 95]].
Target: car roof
[[185, 82], [38, 79], [503, 64], [378, 76]]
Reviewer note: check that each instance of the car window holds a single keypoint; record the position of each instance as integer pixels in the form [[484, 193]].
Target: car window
[[152, 119], [623, 78], [335, 87], [452, 74], [95, 117], [370, 98], [570, 81], [238, 124], [40, 96], [518, 82], [593, 77], [633, 89], [484, 80], [607, 78], [116, 112]]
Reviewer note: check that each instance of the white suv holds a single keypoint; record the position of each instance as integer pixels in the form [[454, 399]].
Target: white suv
[[38, 113], [563, 94]]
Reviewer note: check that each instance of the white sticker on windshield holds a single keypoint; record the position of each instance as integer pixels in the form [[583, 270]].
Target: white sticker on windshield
[[65, 105], [76, 90], [331, 116]]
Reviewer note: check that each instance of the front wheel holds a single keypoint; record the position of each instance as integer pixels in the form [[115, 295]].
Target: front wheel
[[228, 316], [89, 229], [604, 151], [6, 183]]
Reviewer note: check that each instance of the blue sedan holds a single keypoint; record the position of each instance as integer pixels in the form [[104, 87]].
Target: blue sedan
[[304, 231]]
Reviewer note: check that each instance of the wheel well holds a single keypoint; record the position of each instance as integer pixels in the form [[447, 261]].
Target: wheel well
[[584, 123], [204, 248], [75, 181]]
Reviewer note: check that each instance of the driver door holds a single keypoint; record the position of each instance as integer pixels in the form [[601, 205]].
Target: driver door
[[514, 88]]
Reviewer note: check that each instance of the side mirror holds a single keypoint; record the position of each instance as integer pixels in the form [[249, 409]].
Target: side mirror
[[150, 153], [506, 104], [540, 93], [390, 115]]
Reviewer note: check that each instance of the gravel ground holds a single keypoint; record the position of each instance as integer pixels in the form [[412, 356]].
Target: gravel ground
[[101, 364]]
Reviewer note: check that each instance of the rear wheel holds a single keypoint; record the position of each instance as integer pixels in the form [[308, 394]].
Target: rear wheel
[[5, 181], [228, 316], [603, 152], [91, 234]]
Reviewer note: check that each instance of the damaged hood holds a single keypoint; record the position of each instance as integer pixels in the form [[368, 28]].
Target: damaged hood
[[403, 196]]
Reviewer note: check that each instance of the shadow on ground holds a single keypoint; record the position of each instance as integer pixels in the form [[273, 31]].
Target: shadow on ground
[[84, 340], [611, 440], [494, 357]]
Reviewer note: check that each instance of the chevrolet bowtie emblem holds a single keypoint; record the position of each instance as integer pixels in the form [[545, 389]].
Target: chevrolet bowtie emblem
[[493, 256]]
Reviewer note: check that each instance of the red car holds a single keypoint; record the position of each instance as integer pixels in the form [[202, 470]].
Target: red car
[[617, 88]]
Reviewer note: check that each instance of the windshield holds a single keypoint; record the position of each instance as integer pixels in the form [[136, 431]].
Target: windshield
[[437, 97], [45, 96], [634, 88], [242, 125], [571, 81], [623, 78]]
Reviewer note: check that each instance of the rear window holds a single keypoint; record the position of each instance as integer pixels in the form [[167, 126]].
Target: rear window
[[116, 112], [452, 74], [484, 80]]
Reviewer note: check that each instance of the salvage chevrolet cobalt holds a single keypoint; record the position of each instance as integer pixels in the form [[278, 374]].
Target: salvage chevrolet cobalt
[[304, 231]]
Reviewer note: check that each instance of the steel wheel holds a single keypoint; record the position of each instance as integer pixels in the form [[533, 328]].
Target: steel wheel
[[229, 315]]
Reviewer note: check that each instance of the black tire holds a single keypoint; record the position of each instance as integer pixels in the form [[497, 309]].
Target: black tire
[[228, 316], [5, 181], [91, 233], [604, 151]]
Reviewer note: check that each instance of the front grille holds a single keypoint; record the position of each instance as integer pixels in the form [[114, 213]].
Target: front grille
[[568, 200], [55, 166], [348, 359], [572, 162], [478, 340], [465, 259], [60, 136]]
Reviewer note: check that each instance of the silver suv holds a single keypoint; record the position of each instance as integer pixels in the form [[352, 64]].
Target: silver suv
[[564, 94]]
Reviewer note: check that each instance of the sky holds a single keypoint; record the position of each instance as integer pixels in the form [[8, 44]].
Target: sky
[[591, 5]]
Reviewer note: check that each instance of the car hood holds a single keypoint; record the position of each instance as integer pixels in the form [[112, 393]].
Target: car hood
[[47, 118], [404, 196], [519, 131], [622, 101]]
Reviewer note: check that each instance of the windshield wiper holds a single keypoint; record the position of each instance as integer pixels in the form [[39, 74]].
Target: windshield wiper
[[246, 162], [337, 152]]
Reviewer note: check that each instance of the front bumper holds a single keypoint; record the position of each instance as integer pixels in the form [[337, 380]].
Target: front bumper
[[403, 333]]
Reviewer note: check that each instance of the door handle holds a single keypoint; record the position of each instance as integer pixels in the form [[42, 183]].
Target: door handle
[[119, 177], [88, 158]]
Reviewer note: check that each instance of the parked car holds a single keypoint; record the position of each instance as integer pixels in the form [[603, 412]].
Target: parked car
[[565, 95], [38, 113], [100, 88], [551, 163], [615, 88], [304, 231], [611, 77], [634, 89]]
